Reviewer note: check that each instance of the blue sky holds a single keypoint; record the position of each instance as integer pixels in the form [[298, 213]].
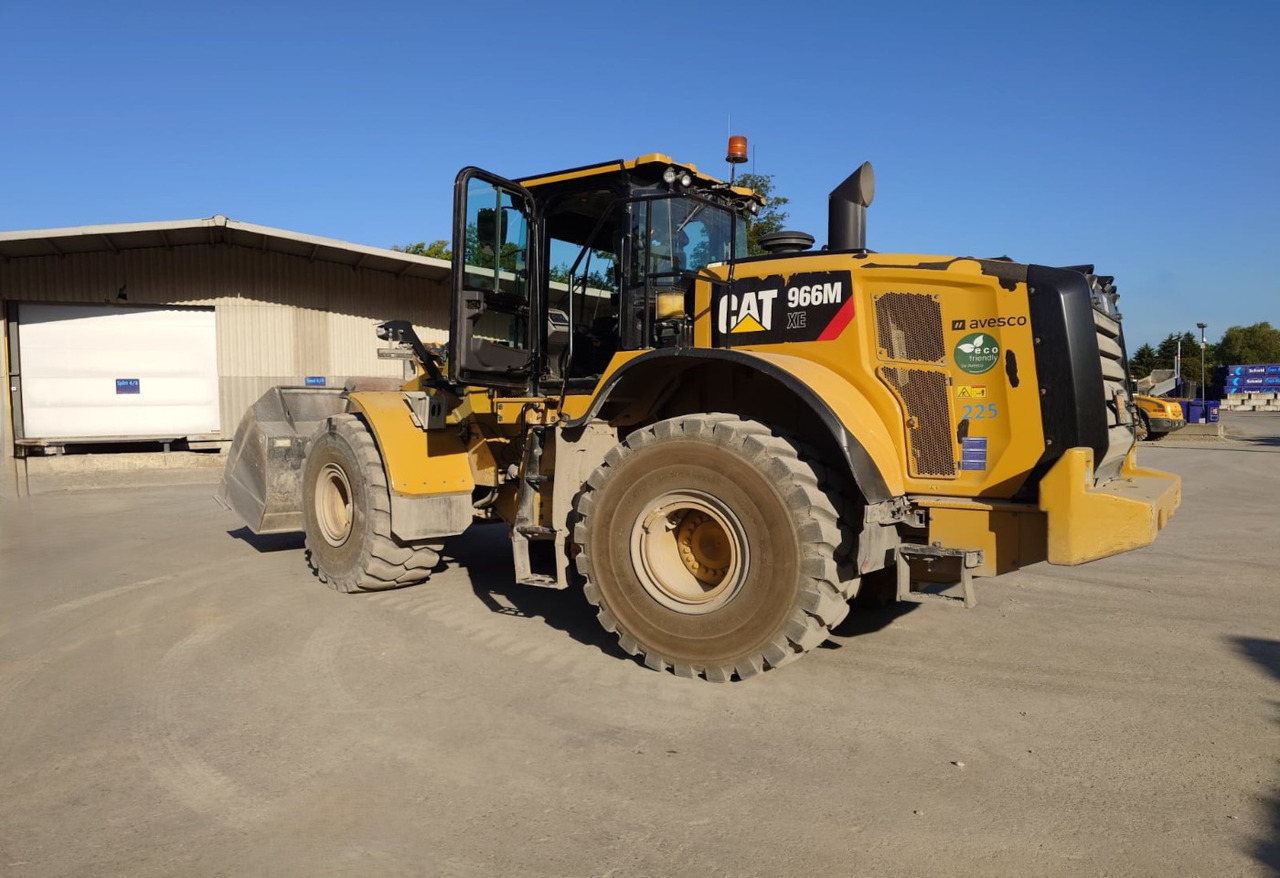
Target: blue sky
[[1138, 136]]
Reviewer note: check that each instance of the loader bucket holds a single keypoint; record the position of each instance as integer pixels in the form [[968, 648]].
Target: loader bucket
[[262, 482]]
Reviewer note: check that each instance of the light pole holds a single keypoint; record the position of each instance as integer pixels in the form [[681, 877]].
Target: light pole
[[1204, 414]]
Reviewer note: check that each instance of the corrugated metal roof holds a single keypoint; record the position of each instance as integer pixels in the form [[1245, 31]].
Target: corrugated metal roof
[[215, 230]]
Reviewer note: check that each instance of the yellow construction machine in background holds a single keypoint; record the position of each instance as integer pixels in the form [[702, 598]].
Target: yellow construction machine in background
[[1157, 417]]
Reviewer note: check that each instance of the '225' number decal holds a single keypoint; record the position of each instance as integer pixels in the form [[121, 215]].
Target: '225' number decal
[[979, 412]]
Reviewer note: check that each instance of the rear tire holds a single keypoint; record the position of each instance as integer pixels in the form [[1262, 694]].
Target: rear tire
[[709, 546], [346, 510]]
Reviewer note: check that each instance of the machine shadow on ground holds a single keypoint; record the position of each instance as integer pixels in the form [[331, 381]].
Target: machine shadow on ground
[[1266, 655], [265, 543], [484, 552], [868, 618], [875, 608]]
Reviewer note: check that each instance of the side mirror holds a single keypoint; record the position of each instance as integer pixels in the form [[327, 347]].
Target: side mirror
[[491, 227]]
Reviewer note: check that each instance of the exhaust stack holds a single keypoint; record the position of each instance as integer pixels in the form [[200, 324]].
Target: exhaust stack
[[847, 210]]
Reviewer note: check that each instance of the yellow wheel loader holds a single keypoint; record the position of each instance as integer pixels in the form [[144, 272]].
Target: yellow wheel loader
[[1157, 417], [717, 448]]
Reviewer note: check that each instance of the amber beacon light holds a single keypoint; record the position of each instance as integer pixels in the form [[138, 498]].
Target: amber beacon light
[[737, 150]]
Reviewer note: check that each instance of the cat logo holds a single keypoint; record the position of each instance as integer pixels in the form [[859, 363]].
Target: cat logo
[[749, 311]]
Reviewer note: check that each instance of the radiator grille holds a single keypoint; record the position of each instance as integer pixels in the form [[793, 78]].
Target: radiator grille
[[924, 396], [909, 327]]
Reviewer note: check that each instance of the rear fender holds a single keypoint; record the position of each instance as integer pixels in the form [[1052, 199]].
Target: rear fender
[[849, 418]]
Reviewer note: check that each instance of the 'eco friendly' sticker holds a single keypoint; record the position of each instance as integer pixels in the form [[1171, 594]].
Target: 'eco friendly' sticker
[[977, 353]]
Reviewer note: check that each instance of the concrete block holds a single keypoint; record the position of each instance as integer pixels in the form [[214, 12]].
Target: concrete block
[[1198, 431], [42, 475]]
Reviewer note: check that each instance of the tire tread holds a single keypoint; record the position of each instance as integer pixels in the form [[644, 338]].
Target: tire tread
[[814, 506], [385, 562]]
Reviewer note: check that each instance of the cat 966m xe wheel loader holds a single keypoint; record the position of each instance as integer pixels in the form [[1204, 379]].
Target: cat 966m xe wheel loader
[[717, 447]]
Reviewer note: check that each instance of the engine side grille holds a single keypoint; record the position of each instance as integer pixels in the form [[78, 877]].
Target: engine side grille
[[924, 397], [909, 327]]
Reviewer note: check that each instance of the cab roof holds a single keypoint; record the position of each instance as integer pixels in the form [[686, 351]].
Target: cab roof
[[653, 162]]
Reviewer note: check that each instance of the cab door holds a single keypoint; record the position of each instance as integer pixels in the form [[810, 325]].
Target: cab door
[[495, 295]]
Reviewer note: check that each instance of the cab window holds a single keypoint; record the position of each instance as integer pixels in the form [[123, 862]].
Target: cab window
[[496, 261], [585, 232]]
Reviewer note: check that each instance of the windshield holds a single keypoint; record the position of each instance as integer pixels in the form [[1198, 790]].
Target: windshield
[[684, 234], [616, 266]]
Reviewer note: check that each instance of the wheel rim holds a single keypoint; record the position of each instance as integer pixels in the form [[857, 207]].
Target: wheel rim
[[333, 504], [692, 552]]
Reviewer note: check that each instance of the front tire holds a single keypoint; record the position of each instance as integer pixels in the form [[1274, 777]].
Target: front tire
[[1142, 430], [709, 545], [346, 511]]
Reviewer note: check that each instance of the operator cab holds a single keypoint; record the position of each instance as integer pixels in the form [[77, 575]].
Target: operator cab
[[555, 274]]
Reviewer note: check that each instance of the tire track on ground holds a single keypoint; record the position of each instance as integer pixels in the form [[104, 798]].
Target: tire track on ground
[[510, 632], [319, 656], [160, 719], [177, 767], [60, 640], [90, 600]]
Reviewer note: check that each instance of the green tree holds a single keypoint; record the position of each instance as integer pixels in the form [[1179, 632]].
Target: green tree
[[596, 279], [480, 253], [1243, 345], [438, 249], [1143, 361], [598, 266], [770, 218], [1167, 351]]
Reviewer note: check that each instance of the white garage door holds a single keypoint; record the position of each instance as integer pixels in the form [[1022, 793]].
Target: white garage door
[[96, 371]]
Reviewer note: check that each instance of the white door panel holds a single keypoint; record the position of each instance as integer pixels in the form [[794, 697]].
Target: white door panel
[[103, 371]]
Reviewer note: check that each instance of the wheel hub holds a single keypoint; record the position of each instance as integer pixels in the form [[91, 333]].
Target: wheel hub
[[704, 546], [690, 552], [333, 504]]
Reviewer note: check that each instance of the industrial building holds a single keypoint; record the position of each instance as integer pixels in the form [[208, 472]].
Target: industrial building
[[165, 332]]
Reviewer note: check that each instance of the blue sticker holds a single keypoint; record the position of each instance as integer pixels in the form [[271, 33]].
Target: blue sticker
[[315, 381], [973, 453], [128, 385]]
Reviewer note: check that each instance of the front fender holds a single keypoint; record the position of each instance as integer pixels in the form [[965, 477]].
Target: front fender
[[428, 471]]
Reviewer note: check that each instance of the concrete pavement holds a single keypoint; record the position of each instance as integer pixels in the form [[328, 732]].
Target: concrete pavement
[[179, 697]]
